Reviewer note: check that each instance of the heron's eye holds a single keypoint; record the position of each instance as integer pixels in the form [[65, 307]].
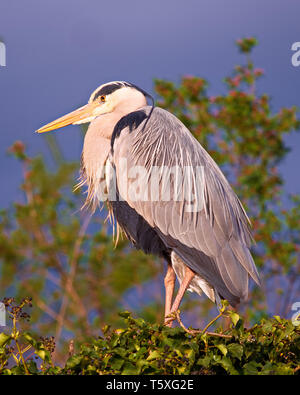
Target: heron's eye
[[102, 99]]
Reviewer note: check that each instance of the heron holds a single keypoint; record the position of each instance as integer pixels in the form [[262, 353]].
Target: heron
[[202, 230]]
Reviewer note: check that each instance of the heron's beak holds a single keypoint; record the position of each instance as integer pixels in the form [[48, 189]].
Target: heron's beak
[[81, 115]]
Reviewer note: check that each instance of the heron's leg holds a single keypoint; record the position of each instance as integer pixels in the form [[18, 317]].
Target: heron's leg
[[170, 278], [188, 276]]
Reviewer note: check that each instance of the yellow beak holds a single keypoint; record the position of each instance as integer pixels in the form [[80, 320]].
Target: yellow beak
[[81, 115]]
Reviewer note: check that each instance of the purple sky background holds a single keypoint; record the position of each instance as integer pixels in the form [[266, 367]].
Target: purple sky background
[[58, 52]]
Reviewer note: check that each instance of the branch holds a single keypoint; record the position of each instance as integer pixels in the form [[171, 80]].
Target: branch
[[70, 279]]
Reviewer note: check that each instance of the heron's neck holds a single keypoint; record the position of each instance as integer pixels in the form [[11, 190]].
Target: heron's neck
[[98, 136], [97, 142], [130, 103]]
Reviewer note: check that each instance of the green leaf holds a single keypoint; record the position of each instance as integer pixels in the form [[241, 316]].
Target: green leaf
[[30, 339], [4, 338], [106, 329], [124, 314], [153, 355], [32, 367], [234, 317], [226, 363], [267, 327], [74, 361], [205, 362], [116, 362], [115, 339], [251, 368], [129, 369], [236, 350], [43, 354], [222, 348]]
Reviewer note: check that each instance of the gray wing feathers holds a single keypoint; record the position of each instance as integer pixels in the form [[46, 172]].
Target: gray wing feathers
[[214, 241]]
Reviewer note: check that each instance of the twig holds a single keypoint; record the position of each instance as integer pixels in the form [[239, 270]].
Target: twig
[[15, 337], [71, 348], [297, 368], [219, 335], [190, 331], [22, 357], [197, 331], [213, 321]]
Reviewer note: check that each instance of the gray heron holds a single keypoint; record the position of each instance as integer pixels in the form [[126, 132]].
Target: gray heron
[[183, 209]]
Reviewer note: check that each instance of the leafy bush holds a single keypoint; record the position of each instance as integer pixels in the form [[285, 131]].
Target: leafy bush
[[270, 347]]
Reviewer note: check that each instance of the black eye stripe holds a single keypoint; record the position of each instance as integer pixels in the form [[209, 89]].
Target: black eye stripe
[[108, 89]]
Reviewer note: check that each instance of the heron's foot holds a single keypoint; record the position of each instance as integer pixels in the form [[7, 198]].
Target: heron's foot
[[195, 332], [170, 318], [175, 315]]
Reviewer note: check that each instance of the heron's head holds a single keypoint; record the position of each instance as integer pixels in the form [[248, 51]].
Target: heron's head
[[118, 96]]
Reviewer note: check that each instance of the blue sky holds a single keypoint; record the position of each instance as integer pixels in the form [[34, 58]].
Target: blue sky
[[58, 52]]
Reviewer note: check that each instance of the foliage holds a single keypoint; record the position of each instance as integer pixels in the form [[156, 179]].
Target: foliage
[[69, 264], [20, 345], [270, 347]]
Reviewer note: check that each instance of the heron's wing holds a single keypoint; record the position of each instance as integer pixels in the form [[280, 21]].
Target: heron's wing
[[208, 230]]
